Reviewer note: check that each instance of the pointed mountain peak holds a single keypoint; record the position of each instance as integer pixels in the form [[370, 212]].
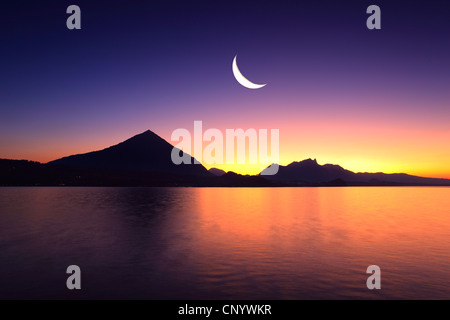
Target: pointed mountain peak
[[144, 134], [144, 137], [143, 152]]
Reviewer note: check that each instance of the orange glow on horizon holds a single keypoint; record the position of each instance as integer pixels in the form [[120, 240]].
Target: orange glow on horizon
[[356, 147]]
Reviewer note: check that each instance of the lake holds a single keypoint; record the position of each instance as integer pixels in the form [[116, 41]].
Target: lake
[[225, 243]]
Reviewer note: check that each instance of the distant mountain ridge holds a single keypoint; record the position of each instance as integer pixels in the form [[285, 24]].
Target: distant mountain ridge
[[309, 171]]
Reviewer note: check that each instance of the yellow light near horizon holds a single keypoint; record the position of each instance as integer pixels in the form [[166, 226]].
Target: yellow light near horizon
[[434, 170], [244, 169]]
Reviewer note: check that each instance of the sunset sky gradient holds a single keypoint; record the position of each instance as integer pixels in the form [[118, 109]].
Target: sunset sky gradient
[[368, 100]]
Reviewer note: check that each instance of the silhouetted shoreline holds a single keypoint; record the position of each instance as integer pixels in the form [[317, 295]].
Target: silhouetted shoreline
[[29, 173]]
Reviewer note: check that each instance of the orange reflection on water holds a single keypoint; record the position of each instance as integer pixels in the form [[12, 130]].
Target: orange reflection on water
[[331, 234]]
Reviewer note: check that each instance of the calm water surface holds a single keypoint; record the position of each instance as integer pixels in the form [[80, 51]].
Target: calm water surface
[[225, 243]]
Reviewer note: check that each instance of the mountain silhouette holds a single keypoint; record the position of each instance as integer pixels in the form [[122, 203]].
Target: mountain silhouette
[[310, 172], [217, 172], [145, 160], [146, 152]]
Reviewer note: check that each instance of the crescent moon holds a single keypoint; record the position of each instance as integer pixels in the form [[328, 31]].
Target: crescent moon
[[243, 80]]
